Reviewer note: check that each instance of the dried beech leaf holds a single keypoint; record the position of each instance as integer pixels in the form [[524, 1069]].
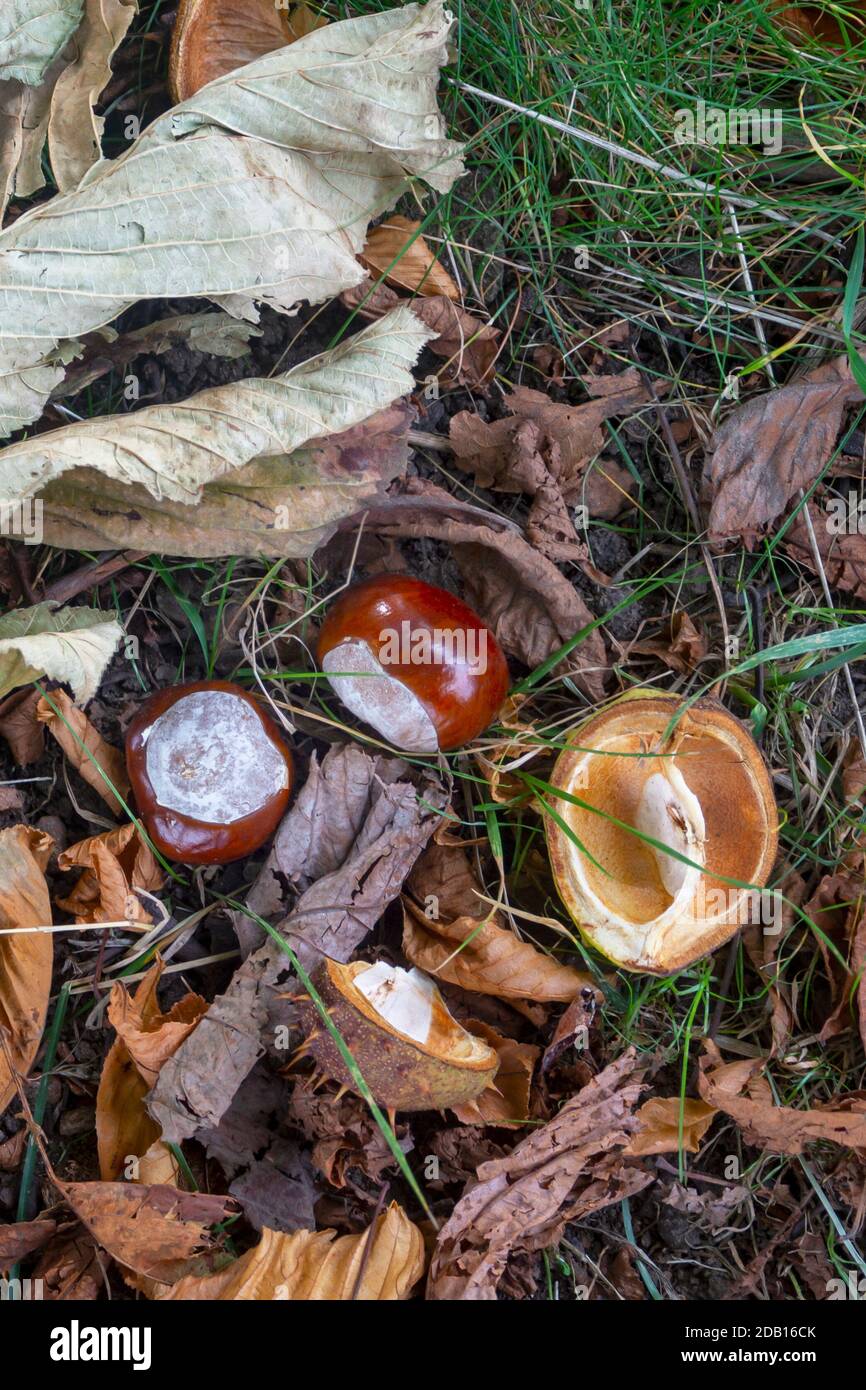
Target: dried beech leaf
[[114, 864], [682, 649], [660, 1119], [574, 1165], [506, 1102], [150, 1035], [74, 131], [290, 157], [73, 645], [32, 32], [154, 1231], [738, 1089], [493, 960], [394, 249], [773, 445], [71, 728], [25, 960], [376, 1266]]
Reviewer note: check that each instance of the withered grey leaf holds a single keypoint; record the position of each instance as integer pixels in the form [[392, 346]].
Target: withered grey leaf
[[196, 1085], [278, 1190]]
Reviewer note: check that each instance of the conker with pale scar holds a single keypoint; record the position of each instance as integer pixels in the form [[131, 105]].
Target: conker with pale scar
[[413, 662], [210, 772]]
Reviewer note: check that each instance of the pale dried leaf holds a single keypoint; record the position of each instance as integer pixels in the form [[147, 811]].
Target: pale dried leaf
[[378, 1266], [278, 183], [32, 32], [74, 131], [73, 645], [288, 505]]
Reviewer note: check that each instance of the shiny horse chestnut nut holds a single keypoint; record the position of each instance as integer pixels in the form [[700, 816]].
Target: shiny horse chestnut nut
[[413, 662], [210, 772]]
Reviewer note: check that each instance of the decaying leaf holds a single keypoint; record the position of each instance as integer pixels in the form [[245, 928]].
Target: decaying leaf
[[682, 648], [100, 765], [149, 1035], [271, 1173], [74, 131], [396, 251], [738, 1089], [574, 1165], [467, 944], [158, 1232], [290, 157], [345, 1137], [506, 1102], [70, 1268], [843, 555], [544, 449], [213, 451], [73, 645], [470, 345], [32, 32], [773, 445], [668, 1125], [379, 1265], [26, 959], [114, 864], [21, 1238], [23, 732]]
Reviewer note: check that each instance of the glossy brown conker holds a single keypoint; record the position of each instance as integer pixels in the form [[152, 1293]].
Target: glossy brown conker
[[210, 772], [413, 662]]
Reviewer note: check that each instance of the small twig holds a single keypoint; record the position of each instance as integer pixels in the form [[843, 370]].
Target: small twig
[[368, 1243], [689, 181]]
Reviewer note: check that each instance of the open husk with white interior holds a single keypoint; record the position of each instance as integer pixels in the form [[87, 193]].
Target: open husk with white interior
[[656, 828]]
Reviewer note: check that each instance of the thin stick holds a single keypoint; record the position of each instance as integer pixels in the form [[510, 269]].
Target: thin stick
[[646, 161]]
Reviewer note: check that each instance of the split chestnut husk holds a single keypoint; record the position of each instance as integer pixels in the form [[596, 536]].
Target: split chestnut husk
[[412, 1054]]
